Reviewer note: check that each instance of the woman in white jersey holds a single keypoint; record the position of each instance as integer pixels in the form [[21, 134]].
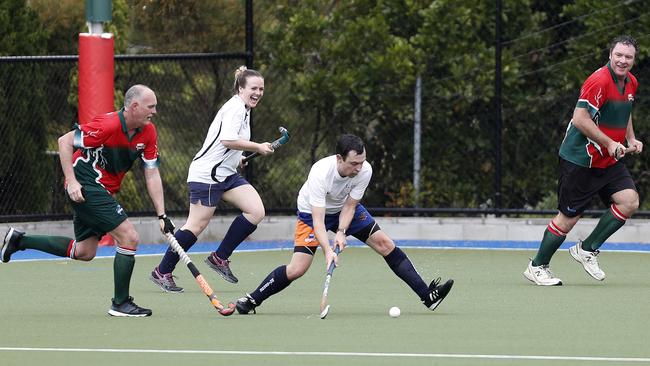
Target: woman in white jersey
[[330, 200], [213, 175]]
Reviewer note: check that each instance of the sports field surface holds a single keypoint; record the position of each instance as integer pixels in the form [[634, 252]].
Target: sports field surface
[[54, 313]]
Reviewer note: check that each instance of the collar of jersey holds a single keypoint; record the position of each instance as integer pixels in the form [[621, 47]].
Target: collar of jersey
[[242, 102], [120, 114], [611, 72]]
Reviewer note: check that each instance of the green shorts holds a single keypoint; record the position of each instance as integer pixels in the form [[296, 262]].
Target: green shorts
[[98, 215]]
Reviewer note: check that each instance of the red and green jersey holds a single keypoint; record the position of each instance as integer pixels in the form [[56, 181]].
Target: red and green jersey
[[610, 107], [105, 152]]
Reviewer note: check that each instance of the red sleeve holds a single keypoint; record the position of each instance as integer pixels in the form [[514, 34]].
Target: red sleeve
[[594, 91], [150, 153], [96, 132]]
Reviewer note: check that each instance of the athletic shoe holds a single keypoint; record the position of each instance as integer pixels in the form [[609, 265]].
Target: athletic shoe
[[588, 260], [10, 244], [437, 293], [541, 275], [246, 304], [165, 281], [128, 308], [222, 267]]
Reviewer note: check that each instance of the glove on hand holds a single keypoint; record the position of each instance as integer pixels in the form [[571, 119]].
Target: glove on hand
[[166, 224]]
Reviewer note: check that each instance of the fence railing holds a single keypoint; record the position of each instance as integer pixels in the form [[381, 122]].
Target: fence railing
[[38, 103]]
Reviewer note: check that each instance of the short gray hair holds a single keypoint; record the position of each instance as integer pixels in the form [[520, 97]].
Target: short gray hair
[[134, 93]]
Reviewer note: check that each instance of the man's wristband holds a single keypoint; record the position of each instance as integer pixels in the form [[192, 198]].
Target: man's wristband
[[341, 231]]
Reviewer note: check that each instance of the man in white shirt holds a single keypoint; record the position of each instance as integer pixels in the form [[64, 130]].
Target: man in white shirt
[[330, 200]]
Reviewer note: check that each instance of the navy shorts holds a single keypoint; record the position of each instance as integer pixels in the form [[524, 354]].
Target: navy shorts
[[361, 227], [577, 185], [210, 194]]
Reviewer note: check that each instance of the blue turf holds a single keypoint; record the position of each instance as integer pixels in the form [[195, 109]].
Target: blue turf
[[153, 249]]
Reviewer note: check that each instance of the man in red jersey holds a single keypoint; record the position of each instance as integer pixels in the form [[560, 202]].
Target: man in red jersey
[[94, 157], [589, 164]]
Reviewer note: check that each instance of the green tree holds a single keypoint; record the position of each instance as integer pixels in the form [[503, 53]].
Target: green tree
[[177, 26], [187, 90], [348, 68], [23, 154]]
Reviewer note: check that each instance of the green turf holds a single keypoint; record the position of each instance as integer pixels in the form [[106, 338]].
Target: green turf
[[492, 310]]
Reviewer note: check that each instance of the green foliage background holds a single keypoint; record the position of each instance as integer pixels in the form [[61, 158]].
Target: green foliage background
[[330, 67]]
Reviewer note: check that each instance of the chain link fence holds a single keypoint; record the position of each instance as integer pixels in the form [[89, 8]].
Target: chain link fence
[[39, 99], [39, 104]]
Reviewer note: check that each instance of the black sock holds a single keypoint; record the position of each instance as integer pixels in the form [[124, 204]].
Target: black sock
[[275, 282], [403, 268], [239, 230], [186, 239]]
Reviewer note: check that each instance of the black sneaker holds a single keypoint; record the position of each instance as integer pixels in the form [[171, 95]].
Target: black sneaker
[[222, 267], [128, 308], [437, 293], [246, 304], [165, 281], [10, 244]]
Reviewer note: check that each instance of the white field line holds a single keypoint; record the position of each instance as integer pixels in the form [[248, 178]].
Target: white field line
[[333, 354]]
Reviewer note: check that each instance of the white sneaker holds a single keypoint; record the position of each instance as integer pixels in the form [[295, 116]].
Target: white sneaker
[[541, 275], [588, 260]]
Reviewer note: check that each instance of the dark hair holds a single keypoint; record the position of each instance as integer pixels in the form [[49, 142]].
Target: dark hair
[[624, 39], [241, 74], [347, 143]]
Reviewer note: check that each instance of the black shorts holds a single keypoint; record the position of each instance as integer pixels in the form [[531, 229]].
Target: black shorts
[[577, 185]]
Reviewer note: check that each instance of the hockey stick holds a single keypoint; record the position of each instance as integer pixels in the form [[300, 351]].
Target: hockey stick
[[621, 151], [284, 138], [324, 307], [203, 284]]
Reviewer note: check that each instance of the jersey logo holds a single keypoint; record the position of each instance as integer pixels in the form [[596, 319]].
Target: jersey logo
[[267, 284], [119, 210], [310, 238], [630, 98], [598, 97]]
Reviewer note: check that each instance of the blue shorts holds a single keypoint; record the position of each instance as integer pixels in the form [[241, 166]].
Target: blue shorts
[[361, 227], [210, 194]]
